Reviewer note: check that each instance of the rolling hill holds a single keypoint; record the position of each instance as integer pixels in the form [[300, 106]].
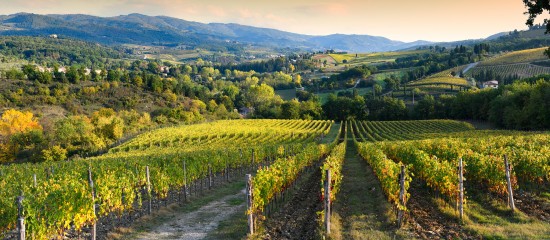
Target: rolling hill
[[162, 30]]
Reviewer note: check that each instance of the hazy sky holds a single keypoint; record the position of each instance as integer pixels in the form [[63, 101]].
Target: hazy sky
[[405, 20]]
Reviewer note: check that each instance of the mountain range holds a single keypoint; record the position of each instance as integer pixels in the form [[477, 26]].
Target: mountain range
[[161, 30]]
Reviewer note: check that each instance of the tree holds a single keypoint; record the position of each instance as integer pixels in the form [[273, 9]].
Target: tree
[[391, 83], [60, 76], [55, 153], [30, 71], [534, 9], [107, 125], [425, 109], [386, 108], [19, 131], [377, 89], [345, 108], [298, 80], [290, 109], [14, 121], [24, 146], [137, 80], [291, 68], [76, 134], [311, 109], [72, 75], [14, 74], [259, 95], [211, 106]]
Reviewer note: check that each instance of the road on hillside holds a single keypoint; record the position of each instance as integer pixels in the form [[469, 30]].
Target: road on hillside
[[470, 66]]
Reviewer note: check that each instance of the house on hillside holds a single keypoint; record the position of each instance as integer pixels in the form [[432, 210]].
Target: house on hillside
[[491, 84], [245, 111]]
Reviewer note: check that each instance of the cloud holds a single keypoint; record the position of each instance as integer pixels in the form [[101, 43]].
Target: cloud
[[329, 9], [216, 11]]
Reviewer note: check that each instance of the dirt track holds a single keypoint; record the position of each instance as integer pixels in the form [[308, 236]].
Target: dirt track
[[197, 224]]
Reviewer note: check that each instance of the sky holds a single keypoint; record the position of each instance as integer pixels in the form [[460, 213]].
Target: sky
[[404, 20]]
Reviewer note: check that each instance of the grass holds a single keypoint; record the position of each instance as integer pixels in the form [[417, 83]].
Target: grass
[[332, 134], [339, 58], [440, 80], [448, 72], [361, 210], [234, 227], [287, 94], [383, 75], [12, 65], [368, 58], [492, 219], [335, 61]]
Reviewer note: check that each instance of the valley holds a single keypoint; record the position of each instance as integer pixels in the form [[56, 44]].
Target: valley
[[146, 126]]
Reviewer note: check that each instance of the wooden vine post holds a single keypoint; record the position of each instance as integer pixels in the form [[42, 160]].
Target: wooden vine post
[[508, 169], [461, 189], [253, 159], [184, 182], [327, 201], [91, 183], [249, 204], [149, 195], [209, 176], [241, 162], [34, 180], [400, 212], [20, 217], [226, 171]]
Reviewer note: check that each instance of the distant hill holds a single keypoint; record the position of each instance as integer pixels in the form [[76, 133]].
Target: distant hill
[[162, 30], [505, 41]]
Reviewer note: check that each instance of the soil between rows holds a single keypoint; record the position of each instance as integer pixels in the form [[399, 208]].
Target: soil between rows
[[297, 218]]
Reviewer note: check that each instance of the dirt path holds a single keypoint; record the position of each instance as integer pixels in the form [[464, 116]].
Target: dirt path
[[196, 224], [361, 210], [297, 219], [203, 217]]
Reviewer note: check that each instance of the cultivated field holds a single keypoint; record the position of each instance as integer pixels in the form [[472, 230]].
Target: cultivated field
[[523, 56], [289, 160]]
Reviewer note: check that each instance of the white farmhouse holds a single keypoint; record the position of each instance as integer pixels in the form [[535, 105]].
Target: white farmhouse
[[491, 84]]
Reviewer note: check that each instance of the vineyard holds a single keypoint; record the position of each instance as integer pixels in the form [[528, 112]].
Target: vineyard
[[58, 197], [296, 167], [431, 151], [406, 130], [521, 69], [373, 58], [523, 56], [443, 81]]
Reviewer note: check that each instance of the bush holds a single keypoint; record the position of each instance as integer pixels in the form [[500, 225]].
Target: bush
[[55, 153]]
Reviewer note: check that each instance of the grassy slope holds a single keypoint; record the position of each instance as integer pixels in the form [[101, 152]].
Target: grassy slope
[[440, 80], [522, 56]]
